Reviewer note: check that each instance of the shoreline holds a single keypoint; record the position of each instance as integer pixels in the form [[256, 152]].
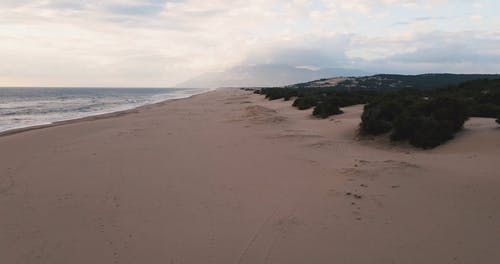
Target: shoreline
[[91, 117]]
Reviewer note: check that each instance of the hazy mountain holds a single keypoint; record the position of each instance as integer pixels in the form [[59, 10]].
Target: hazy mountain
[[265, 75]]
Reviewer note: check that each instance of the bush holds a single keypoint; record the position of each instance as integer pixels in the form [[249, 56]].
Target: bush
[[424, 122], [378, 116], [278, 93], [486, 110], [303, 103], [429, 123], [449, 109], [405, 125], [372, 123], [327, 108], [498, 120], [431, 132]]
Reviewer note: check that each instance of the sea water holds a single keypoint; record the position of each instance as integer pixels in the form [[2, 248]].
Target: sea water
[[24, 107]]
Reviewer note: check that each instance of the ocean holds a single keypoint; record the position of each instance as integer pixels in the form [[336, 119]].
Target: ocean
[[25, 107]]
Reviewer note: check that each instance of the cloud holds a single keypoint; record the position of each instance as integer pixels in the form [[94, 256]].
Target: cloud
[[137, 8], [440, 52], [65, 4], [313, 51], [160, 43]]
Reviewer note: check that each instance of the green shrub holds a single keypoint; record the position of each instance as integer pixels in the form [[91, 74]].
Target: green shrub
[[278, 93], [327, 108], [303, 103], [449, 109], [429, 123], [486, 110], [405, 125], [424, 122], [372, 123], [498, 120], [431, 132], [378, 116]]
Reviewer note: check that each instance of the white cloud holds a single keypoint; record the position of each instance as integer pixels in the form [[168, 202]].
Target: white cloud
[[158, 42]]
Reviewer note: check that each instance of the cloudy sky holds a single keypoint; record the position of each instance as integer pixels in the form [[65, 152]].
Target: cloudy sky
[[161, 43]]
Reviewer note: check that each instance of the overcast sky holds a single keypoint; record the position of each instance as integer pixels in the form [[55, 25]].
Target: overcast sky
[[161, 43]]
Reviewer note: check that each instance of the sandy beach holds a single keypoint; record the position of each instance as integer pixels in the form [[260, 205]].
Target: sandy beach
[[229, 177]]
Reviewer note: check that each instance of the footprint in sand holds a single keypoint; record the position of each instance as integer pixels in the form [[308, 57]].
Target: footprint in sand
[[6, 183]]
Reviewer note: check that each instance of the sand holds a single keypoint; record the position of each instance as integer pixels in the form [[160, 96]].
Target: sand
[[228, 177]]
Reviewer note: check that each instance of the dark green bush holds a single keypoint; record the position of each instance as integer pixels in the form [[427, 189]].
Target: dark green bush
[[486, 110], [405, 125], [448, 109], [424, 122], [498, 120], [303, 103], [279, 93], [327, 108], [372, 123], [378, 116], [430, 132]]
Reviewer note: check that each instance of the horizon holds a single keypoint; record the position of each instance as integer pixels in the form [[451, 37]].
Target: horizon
[[61, 43]]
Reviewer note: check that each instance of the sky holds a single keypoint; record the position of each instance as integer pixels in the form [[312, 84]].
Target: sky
[[158, 43]]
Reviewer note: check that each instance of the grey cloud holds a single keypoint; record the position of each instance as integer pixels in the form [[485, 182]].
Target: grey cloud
[[445, 54], [14, 3], [430, 18], [463, 52], [421, 19], [321, 53], [306, 56], [436, 51], [128, 8], [66, 4], [439, 47], [143, 8], [401, 23]]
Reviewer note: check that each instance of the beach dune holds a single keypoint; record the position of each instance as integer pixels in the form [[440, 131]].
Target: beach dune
[[229, 177]]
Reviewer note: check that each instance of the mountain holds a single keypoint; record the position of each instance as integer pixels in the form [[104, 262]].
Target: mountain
[[264, 75]]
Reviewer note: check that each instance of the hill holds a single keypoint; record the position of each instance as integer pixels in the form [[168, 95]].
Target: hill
[[391, 82]]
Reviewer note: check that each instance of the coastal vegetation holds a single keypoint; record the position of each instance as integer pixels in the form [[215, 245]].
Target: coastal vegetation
[[327, 107], [424, 122], [326, 101], [424, 117], [394, 82]]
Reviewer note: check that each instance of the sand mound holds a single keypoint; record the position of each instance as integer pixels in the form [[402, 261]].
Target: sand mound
[[260, 114]]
